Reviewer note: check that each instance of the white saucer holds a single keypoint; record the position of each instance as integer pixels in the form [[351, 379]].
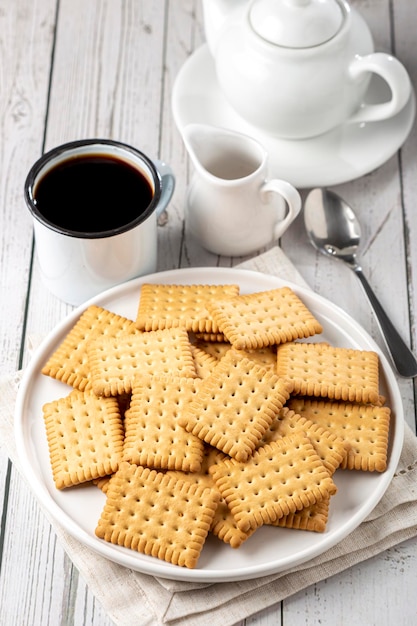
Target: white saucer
[[341, 155]]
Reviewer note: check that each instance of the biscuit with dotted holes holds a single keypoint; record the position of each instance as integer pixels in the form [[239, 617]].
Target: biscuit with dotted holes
[[235, 405], [85, 437], [267, 357], [255, 320], [331, 449], [115, 362], [216, 349], [279, 479], [317, 369], [157, 515], [153, 436], [364, 428], [69, 362], [313, 518], [167, 306], [203, 361], [224, 524]]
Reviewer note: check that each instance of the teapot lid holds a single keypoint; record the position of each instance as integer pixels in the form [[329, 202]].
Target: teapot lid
[[296, 23]]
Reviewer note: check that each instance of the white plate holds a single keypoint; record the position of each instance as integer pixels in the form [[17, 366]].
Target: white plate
[[338, 156], [269, 550]]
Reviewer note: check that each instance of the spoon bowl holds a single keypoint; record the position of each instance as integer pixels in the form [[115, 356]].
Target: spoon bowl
[[333, 229]]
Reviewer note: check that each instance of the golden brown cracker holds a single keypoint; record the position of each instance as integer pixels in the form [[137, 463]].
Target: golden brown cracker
[[267, 357], [364, 428], [225, 528], [153, 436], [157, 515], [69, 362], [235, 405], [85, 437], [256, 320], [317, 369], [116, 362], [313, 518], [210, 337], [216, 349], [103, 483], [278, 479], [224, 525], [203, 361], [167, 306], [331, 449]]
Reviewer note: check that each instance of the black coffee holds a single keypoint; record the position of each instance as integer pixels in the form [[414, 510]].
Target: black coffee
[[92, 193]]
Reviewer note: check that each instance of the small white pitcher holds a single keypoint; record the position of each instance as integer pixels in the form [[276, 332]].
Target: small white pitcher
[[231, 207]]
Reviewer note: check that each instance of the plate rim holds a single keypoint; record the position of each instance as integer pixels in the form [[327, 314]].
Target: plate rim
[[160, 568]]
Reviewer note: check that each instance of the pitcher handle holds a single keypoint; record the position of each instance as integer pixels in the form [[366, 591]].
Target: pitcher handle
[[168, 185], [291, 197]]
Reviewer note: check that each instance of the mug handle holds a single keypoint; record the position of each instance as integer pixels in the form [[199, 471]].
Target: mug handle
[[394, 73], [168, 185], [291, 197]]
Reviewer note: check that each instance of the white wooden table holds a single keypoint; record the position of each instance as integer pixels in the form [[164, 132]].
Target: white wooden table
[[76, 68]]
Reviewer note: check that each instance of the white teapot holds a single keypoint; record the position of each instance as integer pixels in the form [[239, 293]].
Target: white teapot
[[298, 68]]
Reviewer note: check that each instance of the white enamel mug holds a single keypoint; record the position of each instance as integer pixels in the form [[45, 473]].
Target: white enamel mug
[[82, 253]]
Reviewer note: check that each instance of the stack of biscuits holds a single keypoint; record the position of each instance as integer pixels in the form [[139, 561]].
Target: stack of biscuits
[[212, 412]]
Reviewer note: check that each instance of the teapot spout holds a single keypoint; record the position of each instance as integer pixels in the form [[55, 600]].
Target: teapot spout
[[215, 14]]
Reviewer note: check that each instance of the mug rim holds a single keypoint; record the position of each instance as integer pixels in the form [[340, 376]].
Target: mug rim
[[81, 143]]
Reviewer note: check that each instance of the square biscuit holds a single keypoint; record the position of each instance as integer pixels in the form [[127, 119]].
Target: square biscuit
[[115, 362], [321, 370], [217, 349], [153, 436], [265, 318], [224, 525], [331, 449], [279, 479], [364, 428], [203, 361], [157, 515], [313, 518], [225, 528], [167, 306], [235, 405], [69, 362], [266, 357], [85, 437]]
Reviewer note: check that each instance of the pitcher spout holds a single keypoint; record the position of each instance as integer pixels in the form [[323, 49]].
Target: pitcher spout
[[222, 154]]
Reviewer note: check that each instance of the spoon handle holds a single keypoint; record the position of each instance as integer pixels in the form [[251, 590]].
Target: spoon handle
[[404, 360]]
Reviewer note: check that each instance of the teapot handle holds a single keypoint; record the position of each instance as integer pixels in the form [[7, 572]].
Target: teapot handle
[[394, 73], [291, 197]]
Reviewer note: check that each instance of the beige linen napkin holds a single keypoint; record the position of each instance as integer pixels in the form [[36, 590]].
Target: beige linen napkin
[[131, 598]]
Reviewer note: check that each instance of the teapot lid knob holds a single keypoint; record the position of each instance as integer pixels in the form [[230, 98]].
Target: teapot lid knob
[[297, 23]]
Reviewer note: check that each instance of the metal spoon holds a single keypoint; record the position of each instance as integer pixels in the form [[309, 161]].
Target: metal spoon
[[334, 230]]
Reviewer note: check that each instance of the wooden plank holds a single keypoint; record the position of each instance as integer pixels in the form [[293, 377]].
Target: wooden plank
[[42, 586], [103, 84], [182, 33], [404, 33], [26, 39]]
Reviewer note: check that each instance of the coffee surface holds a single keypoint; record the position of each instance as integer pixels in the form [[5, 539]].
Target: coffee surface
[[92, 193]]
